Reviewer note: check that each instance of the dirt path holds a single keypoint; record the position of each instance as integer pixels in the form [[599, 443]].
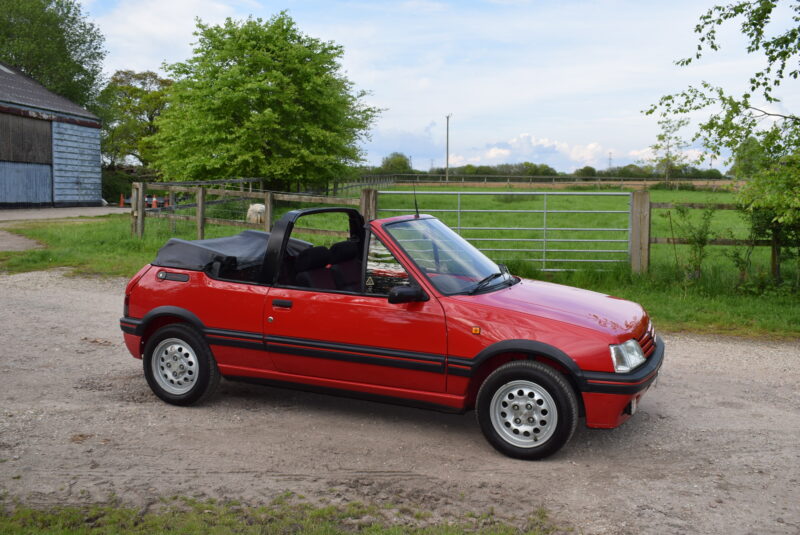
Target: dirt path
[[715, 448]]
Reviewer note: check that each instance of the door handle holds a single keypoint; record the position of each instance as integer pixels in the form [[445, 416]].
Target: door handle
[[282, 303]]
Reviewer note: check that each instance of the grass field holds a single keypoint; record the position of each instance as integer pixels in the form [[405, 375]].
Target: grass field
[[716, 302]]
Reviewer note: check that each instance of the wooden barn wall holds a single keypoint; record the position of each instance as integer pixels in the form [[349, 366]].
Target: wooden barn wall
[[23, 139], [25, 183], [76, 164]]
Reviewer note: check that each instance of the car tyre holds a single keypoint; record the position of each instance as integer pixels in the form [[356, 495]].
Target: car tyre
[[527, 410], [179, 366]]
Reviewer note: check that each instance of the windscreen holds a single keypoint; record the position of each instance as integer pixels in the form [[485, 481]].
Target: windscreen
[[450, 262]]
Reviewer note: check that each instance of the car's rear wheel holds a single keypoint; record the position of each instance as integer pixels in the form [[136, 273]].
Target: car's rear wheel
[[527, 410], [179, 366]]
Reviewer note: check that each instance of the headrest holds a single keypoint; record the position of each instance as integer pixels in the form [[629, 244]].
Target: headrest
[[344, 250], [312, 258]]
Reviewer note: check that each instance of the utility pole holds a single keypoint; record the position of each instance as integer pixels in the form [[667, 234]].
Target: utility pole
[[609, 159], [447, 150]]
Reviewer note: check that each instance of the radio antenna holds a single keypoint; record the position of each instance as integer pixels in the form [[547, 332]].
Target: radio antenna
[[416, 207]]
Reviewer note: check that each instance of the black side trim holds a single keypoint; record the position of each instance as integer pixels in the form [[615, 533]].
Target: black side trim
[[347, 394], [351, 357], [639, 379], [217, 341], [460, 372], [234, 334], [335, 346]]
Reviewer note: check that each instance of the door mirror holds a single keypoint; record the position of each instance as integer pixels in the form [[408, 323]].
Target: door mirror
[[407, 294]]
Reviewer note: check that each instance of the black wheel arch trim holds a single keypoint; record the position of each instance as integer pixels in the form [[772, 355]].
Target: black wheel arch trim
[[517, 346], [140, 325]]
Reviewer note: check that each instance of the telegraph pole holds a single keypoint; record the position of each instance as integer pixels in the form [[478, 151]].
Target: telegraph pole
[[447, 150]]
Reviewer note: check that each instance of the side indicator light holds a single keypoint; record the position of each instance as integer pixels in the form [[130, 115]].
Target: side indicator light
[[476, 330]]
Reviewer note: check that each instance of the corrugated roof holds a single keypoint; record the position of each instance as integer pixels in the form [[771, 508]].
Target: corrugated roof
[[18, 88]]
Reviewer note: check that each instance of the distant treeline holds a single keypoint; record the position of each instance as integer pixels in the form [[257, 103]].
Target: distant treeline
[[398, 163]]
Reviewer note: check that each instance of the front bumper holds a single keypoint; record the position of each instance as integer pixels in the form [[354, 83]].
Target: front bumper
[[610, 398]]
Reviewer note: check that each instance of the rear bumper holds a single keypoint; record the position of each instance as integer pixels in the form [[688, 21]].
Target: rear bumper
[[611, 398]]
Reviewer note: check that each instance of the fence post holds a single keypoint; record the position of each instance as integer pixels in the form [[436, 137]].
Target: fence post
[[268, 211], [134, 204], [201, 212], [140, 208], [639, 234], [171, 212], [369, 203]]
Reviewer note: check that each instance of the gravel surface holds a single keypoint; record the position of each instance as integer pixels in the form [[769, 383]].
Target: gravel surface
[[714, 449]]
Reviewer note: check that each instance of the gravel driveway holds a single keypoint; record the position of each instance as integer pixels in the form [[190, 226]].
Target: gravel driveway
[[715, 447]]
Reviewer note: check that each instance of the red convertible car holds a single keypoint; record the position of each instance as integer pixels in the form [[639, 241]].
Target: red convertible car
[[405, 310]]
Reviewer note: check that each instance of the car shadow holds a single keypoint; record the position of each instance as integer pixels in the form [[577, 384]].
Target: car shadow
[[266, 397]]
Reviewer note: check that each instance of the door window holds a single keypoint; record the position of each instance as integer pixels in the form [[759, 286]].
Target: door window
[[383, 271]]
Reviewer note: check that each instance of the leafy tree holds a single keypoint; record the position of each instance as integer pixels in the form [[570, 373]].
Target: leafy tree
[[668, 149], [129, 106], [586, 171], [396, 163], [52, 42], [777, 187], [736, 118], [260, 99]]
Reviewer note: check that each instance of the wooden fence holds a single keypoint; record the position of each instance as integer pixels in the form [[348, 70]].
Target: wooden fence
[[367, 204], [641, 238]]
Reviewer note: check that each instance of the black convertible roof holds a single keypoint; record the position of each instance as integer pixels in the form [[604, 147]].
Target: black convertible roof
[[243, 251]]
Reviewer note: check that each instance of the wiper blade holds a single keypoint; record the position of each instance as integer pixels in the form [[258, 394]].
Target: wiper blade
[[485, 282]]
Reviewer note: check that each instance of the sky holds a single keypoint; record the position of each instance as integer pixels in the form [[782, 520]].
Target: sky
[[556, 82]]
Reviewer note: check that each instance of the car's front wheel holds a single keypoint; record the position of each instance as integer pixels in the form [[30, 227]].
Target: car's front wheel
[[527, 410], [179, 366]]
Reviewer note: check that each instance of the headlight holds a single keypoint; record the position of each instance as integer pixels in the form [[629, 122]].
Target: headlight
[[627, 356]]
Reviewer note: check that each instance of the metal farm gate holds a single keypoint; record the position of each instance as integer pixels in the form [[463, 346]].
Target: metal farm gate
[[556, 231]]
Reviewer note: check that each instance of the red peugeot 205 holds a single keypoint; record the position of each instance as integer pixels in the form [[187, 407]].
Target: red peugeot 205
[[403, 310]]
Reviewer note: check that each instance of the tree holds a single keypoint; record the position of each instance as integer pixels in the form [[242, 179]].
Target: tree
[[586, 171], [260, 99], [129, 106], [733, 118], [52, 42], [667, 151], [396, 163]]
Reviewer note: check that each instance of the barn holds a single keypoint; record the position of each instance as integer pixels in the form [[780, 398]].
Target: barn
[[49, 147]]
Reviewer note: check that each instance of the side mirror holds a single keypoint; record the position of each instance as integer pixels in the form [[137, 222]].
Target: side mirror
[[407, 294]]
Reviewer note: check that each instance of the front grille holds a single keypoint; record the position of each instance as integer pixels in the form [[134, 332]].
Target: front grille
[[647, 341]]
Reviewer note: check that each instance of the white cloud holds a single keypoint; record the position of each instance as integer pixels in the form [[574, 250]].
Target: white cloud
[[496, 153], [141, 34]]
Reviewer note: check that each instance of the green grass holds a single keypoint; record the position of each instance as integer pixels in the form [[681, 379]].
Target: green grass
[[283, 516]]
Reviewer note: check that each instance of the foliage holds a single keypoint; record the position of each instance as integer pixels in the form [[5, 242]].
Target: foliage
[[52, 42], [260, 99], [128, 106], [667, 151], [396, 163], [734, 119], [698, 235], [586, 171], [777, 187]]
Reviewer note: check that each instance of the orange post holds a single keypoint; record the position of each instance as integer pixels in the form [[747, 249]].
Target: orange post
[[154, 203], [121, 200]]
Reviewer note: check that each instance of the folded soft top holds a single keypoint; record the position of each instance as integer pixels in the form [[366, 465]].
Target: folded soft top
[[243, 251]]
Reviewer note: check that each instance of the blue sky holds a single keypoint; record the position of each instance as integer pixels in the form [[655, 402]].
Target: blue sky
[[558, 82]]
